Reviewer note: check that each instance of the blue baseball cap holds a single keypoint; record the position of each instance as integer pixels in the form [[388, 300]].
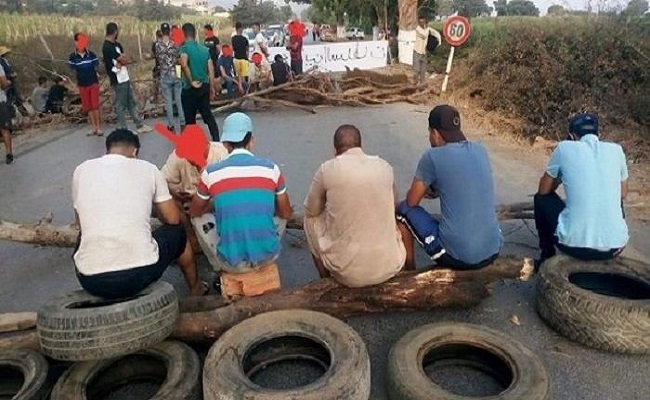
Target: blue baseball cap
[[584, 124], [235, 127]]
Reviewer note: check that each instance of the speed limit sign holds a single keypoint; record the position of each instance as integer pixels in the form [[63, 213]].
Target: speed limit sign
[[456, 30]]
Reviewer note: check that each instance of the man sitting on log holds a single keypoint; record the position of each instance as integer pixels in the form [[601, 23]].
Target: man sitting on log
[[468, 235], [247, 192], [183, 172], [350, 215], [117, 255], [591, 225]]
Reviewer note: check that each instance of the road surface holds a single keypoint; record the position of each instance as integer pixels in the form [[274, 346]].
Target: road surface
[[39, 182]]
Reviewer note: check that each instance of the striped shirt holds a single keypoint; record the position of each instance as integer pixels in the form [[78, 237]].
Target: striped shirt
[[85, 67], [243, 189]]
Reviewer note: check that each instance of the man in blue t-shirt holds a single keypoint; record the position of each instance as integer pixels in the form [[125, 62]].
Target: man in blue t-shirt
[[591, 225], [468, 235]]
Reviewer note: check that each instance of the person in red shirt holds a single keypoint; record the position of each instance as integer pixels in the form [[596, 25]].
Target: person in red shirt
[[297, 32]]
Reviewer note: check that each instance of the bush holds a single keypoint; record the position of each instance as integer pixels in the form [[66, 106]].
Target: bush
[[547, 69]]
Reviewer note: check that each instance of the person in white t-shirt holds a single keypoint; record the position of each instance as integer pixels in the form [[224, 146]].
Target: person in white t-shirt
[[420, 62], [260, 40], [117, 255]]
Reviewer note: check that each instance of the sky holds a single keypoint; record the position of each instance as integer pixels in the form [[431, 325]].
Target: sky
[[542, 5]]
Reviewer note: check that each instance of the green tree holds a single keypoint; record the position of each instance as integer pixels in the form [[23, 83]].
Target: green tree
[[470, 8], [501, 6], [522, 7], [556, 9], [445, 7], [250, 11], [636, 7]]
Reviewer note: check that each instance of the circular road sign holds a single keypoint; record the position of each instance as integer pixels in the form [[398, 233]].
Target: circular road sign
[[456, 30]]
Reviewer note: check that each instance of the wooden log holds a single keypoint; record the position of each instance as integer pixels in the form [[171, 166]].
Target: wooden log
[[44, 233], [408, 291], [11, 322]]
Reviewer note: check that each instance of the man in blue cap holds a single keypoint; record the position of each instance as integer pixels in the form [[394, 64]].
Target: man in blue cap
[[247, 193], [591, 224]]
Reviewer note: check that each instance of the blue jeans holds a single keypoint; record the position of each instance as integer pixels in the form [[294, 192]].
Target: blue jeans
[[171, 88], [125, 101], [230, 82]]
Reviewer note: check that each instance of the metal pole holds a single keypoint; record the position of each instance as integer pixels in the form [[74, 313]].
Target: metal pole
[[448, 70]]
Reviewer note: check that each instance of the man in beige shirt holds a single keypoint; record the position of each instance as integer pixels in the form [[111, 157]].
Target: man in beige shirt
[[183, 178], [422, 32], [350, 216]]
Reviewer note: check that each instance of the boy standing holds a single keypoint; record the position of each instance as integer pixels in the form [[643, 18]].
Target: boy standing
[[84, 62]]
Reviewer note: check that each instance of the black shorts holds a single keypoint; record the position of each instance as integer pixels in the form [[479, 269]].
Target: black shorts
[[171, 241], [6, 113]]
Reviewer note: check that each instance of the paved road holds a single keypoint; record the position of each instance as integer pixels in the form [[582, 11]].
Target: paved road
[[40, 182]]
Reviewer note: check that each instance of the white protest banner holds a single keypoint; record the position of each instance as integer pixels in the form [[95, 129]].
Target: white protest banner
[[335, 57]]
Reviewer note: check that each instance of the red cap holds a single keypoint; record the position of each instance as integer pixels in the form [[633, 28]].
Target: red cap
[[257, 58], [191, 145]]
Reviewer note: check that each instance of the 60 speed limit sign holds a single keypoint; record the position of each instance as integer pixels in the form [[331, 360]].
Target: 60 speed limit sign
[[456, 30]]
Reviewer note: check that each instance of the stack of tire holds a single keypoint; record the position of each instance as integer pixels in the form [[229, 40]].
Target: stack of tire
[[112, 343]]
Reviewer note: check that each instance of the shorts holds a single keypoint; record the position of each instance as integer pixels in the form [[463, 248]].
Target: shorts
[[241, 67], [171, 240], [6, 114], [208, 237], [89, 97], [426, 231]]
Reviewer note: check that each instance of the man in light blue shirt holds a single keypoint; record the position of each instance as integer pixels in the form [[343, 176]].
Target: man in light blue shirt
[[468, 235], [591, 225]]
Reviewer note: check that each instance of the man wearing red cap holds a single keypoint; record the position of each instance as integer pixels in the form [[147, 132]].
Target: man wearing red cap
[[84, 62], [261, 77], [458, 171], [226, 71], [297, 32], [182, 171]]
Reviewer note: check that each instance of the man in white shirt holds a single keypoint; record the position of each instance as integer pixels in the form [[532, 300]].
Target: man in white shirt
[[422, 32], [117, 255], [260, 40]]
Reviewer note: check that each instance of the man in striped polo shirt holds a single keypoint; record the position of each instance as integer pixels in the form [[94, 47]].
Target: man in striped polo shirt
[[249, 197]]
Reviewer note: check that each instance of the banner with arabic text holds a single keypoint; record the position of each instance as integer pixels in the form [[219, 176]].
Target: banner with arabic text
[[335, 57]]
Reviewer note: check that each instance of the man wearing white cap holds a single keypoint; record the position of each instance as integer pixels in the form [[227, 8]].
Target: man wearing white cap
[[247, 193]]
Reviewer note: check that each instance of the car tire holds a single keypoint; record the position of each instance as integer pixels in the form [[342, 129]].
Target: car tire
[[300, 334], [173, 364], [585, 301], [515, 366], [23, 375], [81, 327]]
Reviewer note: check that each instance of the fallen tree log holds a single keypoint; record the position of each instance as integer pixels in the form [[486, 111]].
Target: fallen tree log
[[44, 233], [408, 291]]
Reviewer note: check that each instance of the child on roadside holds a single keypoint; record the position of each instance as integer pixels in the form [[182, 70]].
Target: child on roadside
[[40, 95], [54, 104]]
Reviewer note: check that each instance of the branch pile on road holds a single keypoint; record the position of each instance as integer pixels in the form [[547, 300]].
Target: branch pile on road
[[354, 88]]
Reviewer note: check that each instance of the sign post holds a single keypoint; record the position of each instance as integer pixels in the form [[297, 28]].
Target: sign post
[[456, 32]]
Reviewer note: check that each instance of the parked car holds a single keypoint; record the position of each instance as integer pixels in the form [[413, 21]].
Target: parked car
[[355, 34], [275, 35], [248, 33]]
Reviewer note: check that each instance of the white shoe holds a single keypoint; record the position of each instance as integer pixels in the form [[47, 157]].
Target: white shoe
[[144, 129]]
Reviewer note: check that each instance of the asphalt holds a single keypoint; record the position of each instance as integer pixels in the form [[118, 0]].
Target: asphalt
[[39, 182]]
